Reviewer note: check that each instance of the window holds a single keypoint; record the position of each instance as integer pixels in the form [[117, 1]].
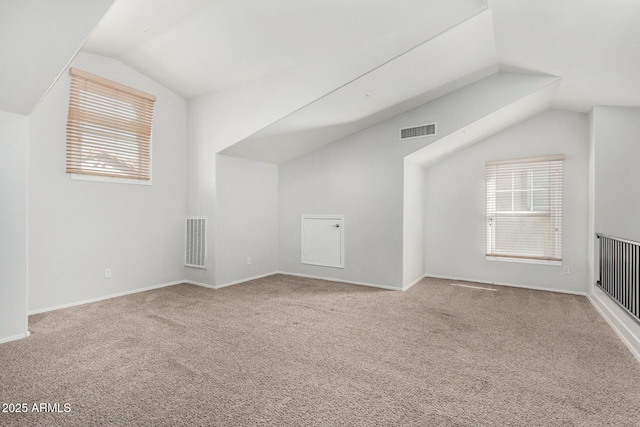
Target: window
[[524, 209], [108, 128]]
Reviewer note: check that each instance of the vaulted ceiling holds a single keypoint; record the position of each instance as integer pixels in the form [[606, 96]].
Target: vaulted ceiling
[[200, 47], [38, 38], [594, 45], [421, 75]]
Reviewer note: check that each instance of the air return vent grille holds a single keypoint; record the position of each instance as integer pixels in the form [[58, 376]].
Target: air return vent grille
[[196, 242], [418, 131]]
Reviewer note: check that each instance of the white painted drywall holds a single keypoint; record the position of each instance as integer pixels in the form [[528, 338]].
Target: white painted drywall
[[616, 198], [391, 89], [200, 46], [617, 152], [77, 229], [467, 108], [246, 219], [455, 205], [39, 37], [627, 329], [201, 189], [591, 254], [362, 178], [224, 117], [14, 148], [413, 227]]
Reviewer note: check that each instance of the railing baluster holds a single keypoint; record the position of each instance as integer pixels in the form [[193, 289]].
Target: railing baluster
[[620, 277], [629, 268], [609, 265], [606, 244], [627, 288], [634, 283], [616, 274], [623, 294], [619, 272]]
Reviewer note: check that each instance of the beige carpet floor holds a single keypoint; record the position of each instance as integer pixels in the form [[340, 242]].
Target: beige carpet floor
[[289, 351]]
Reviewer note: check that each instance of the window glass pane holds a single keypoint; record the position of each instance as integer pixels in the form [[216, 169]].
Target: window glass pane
[[524, 209], [108, 128], [504, 201], [541, 200]]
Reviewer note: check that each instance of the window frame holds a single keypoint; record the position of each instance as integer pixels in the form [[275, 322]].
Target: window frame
[[100, 104], [553, 236]]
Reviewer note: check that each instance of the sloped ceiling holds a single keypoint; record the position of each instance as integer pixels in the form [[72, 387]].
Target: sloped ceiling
[[527, 106], [591, 44], [39, 38], [594, 45], [419, 76], [197, 46]]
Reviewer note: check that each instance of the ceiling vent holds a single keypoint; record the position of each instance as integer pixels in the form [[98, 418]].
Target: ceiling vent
[[418, 131]]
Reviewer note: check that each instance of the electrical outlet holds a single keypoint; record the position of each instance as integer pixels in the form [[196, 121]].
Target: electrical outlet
[[567, 270], [107, 273], [248, 260]]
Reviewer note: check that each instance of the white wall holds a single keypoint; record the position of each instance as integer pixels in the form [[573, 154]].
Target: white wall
[[591, 260], [201, 189], [79, 228], [616, 198], [413, 227], [222, 118], [246, 219], [455, 205], [14, 148], [362, 178], [617, 151]]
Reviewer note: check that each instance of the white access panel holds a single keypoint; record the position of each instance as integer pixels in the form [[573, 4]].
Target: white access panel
[[323, 240]]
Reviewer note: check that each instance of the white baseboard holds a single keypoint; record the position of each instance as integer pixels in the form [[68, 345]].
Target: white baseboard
[[371, 285], [119, 294], [14, 337], [237, 282], [630, 338], [204, 285], [191, 282], [512, 285], [404, 288]]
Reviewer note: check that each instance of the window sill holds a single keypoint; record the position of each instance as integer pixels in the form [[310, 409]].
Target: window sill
[[524, 261], [96, 178]]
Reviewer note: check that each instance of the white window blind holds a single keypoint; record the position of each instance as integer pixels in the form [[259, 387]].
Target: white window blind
[[524, 208], [108, 128]]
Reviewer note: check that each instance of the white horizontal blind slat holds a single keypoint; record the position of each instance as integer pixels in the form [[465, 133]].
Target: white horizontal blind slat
[[108, 128], [524, 208]]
